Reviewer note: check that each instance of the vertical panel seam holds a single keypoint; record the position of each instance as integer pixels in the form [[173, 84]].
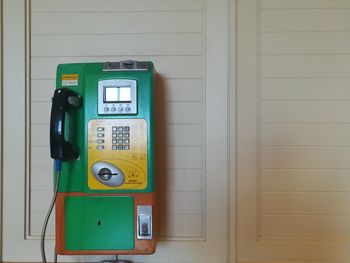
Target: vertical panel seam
[[27, 195]]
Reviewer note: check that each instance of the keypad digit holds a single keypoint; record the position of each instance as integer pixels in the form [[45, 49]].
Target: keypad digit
[[119, 133]]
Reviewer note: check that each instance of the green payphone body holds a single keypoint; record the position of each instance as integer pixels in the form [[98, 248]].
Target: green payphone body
[[102, 131]]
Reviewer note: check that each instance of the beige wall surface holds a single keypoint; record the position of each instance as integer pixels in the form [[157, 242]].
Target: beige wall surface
[[287, 139], [187, 41], [82, 31], [293, 130]]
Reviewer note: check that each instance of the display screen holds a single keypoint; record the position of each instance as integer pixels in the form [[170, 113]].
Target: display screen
[[117, 94]]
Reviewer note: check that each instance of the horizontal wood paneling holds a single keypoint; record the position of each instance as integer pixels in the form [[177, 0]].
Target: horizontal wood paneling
[[166, 89], [305, 134], [123, 45], [305, 89], [39, 201], [184, 112], [304, 20], [84, 6], [42, 179], [167, 66], [304, 157], [176, 113], [173, 180], [302, 4], [305, 203], [173, 203], [182, 135], [304, 180], [36, 224], [182, 203], [306, 227], [40, 157], [169, 33], [179, 226], [40, 135], [304, 128], [40, 112], [42, 90], [305, 112], [172, 134], [180, 180], [172, 226], [181, 216], [180, 89], [117, 23], [305, 43], [321, 66], [176, 157]]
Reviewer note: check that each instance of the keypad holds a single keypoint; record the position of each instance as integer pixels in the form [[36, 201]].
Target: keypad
[[121, 138]]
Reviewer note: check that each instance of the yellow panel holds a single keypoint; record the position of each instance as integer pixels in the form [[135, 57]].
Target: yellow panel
[[132, 162]]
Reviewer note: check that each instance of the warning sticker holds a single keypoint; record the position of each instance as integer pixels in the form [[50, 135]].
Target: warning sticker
[[70, 79]]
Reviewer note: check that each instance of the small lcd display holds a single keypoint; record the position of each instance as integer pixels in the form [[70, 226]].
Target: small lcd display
[[116, 94]]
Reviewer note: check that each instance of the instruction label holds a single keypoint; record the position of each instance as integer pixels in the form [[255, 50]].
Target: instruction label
[[70, 79]]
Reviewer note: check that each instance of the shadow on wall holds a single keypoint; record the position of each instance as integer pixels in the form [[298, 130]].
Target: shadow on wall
[[161, 164]]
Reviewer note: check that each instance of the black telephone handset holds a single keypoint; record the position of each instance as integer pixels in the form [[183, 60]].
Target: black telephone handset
[[62, 101]]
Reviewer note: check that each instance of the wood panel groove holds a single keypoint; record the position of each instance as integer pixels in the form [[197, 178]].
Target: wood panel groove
[[111, 55], [302, 4], [174, 33], [304, 54], [304, 77], [122, 23], [300, 122], [303, 141], [306, 168], [264, 146], [303, 8], [303, 192], [304, 31], [305, 20], [119, 12], [304, 100], [171, 34], [293, 94], [40, 6]]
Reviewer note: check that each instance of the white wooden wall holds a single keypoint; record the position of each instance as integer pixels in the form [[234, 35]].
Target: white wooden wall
[[171, 35], [304, 119], [187, 41], [294, 126]]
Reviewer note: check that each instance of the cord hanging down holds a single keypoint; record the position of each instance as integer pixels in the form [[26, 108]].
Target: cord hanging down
[[47, 218]]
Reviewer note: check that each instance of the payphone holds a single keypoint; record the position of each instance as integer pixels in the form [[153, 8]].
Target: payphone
[[102, 130]]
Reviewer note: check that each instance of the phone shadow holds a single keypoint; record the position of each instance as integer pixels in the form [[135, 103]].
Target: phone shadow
[[161, 160]]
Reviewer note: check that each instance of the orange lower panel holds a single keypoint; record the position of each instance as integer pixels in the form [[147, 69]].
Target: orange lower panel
[[142, 247]]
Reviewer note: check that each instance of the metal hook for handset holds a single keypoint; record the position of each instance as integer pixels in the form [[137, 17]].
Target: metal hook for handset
[[128, 64]]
